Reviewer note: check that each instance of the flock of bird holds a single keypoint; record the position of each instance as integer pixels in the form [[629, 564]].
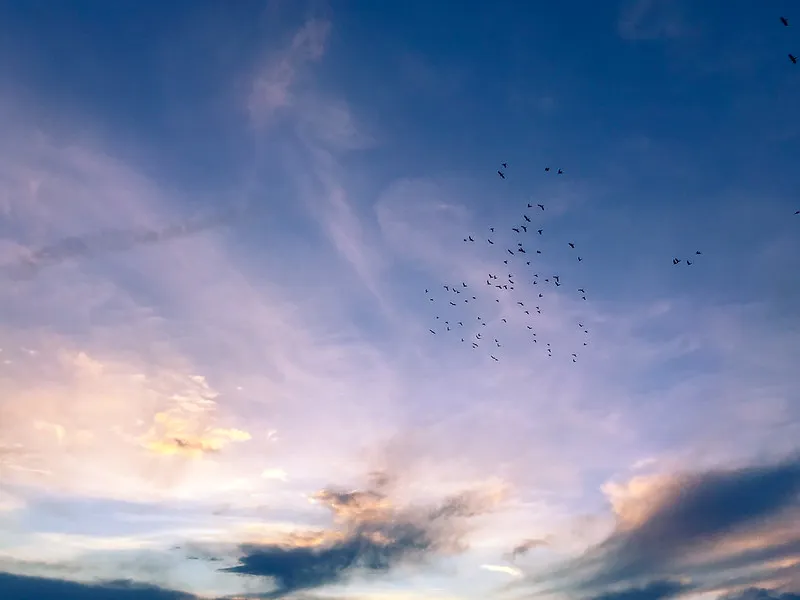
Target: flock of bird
[[519, 271], [504, 285]]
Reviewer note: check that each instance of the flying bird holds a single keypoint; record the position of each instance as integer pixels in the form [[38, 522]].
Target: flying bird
[[490, 241], [579, 259], [494, 358], [698, 251], [501, 174], [560, 172], [527, 218], [797, 212], [469, 237], [688, 262], [505, 165], [571, 245], [546, 169], [540, 206], [515, 229], [540, 231], [785, 21], [793, 58], [491, 229], [432, 331], [581, 290], [525, 229], [675, 261], [510, 252]]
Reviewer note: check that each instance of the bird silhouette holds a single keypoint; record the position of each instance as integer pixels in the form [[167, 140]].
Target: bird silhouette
[[505, 165], [675, 261], [491, 229], [510, 252], [432, 331], [797, 212], [494, 358], [527, 218], [501, 174], [581, 290], [470, 238], [522, 250], [571, 245], [540, 231], [490, 241], [560, 172], [785, 21], [698, 251], [540, 206], [793, 58], [515, 229], [525, 229], [688, 262], [580, 259], [546, 169]]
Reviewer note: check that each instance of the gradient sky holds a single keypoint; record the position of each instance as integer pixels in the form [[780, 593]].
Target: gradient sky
[[217, 224]]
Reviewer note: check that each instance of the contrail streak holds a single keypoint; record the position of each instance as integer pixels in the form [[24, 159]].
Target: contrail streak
[[111, 241]]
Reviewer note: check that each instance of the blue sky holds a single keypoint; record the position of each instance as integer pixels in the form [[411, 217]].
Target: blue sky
[[256, 407]]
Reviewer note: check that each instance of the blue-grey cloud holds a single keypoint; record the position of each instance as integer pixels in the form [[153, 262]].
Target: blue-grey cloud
[[375, 538], [655, 590], [695, 511], [754, 593], [23, 587]]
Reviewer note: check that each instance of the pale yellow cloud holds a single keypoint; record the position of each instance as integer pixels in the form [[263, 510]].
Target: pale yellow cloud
[[506, 570]]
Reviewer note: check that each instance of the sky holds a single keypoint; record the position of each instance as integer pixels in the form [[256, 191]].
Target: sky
[[225, 363]]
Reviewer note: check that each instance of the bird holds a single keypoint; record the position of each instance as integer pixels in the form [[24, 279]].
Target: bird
[[505, 165], [520, 303], [491, 229], [581, 290], [688, 262], [446, 287], [515, 229], [490, 241], [560, 172], [521, 250], [579, 259], [453, 303], [432, 331], [510, 252], [527, 218], [675, 261], [785, 21], [504, 320], [793, 58], [571, 245], [540, 206], [540, 231], [501, 174], [538, 252], [494, 358], [470, 238], [530, 205], [546, 169], [463, 284], [525, 229], [698, 251], [527, 263], [797, 212]]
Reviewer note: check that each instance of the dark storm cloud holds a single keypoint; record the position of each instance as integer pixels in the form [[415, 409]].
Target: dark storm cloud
[[692, 513], [22, 587], [112, 241], [374, 538]]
